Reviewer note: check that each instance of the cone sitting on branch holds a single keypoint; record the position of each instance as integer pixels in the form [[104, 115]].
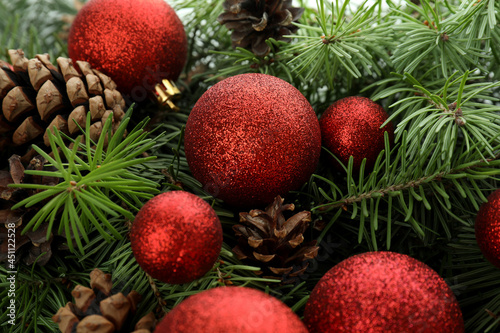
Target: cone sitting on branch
[[274, 243], [36, 96], [252, 22]]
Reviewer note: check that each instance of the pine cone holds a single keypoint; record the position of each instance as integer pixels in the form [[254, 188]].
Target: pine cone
[[254, 21], [98, 310], [36, 96], [276, 244], [30, 246]]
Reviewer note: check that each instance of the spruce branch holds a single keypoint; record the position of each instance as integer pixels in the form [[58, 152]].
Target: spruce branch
[[34, 26], [204, 33], [200, 13], [91, 180], [420, 198], [39, 292], [433, 35], [475, 282], [397, 185], [487, 168], [163, 296], [451, 114], [241, 61], [339, 45]]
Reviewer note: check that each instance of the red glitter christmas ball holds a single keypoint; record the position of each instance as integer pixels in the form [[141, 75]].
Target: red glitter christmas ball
[[136, 42], [176, 237], [351, 126], [231, 309], [382, 292], [252, 137], [488, 228]]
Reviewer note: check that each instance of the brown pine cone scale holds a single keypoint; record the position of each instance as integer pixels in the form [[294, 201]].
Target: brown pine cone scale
[[98, 310], [275, 244], [252, 22], [30, 246], [36, 96]]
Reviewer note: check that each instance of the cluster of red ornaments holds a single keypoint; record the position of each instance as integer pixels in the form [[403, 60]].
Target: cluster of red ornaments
[[252, 137], [248, 139]]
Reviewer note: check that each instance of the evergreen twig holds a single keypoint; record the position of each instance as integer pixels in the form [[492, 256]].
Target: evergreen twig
[[91, 181], [434, 65]]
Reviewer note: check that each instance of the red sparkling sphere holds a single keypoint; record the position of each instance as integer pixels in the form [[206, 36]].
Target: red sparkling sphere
[[382, 292], [176, 237], [488, 228], [351, 126], [252, 137], [231, 309], [136, 42]]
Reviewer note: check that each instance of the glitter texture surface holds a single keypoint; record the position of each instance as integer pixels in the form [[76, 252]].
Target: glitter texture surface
[[382, 292], [488, 228], [231, 309], [351, 126], [251, 137], [176, 237], [136, 42]]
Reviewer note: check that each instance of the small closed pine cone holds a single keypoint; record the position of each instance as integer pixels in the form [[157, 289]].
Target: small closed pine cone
[[98, 310], [35, 96], [274, 243], [254, 21]]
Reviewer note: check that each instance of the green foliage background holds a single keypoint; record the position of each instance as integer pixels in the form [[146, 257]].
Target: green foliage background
[[423, 62]]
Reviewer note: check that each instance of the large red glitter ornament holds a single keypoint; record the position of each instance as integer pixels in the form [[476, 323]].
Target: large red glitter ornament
[[252, 137], [231, 309], [488, 228], [176, 237], [136, 42], [382, 292], [351, 126]]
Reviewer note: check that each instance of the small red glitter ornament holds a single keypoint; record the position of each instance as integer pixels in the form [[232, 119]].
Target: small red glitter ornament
[[488, 228], [231, 309], [136, 43], [382, 292], [351, 126], [176, 237], [252, 137]]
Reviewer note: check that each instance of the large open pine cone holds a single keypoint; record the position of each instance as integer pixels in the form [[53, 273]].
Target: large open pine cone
[[36, 95], [98, 310], [274, 243], [254, 21]]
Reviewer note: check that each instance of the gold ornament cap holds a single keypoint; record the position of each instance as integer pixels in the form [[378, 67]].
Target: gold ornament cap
[[167, 92]]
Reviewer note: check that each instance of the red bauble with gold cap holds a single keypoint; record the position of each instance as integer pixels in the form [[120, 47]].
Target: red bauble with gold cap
[[231, 309], [250, 138], [136, 42], [176, 237], [382, 292], [488, 228]]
